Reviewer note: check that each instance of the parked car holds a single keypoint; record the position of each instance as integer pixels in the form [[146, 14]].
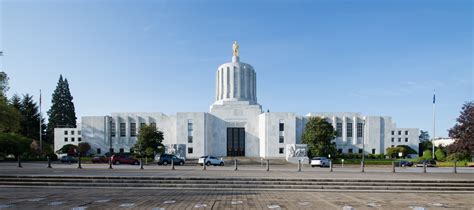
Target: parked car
[[123, 159], [100, 159], [319, 161], [429, 163], [404, 163], [166, 159], [68, 159], [210, 160]]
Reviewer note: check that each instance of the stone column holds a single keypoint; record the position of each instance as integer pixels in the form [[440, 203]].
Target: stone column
[[344, 129], [117, 131], [127, 129], [354, 130]]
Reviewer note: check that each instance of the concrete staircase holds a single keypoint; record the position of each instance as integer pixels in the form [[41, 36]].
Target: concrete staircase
[[366, 185]]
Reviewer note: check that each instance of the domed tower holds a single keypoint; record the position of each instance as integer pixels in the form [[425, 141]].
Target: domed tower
[[236, 82]]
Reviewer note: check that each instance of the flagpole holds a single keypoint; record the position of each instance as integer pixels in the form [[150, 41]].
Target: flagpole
[[434, 124], [40, 127]]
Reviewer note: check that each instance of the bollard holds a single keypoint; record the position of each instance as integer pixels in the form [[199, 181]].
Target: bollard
[[455, 170], [172, 164], [235, 162], [330, 166], [424, 167], [268, 165], [393, 166], [203, 166], [79, 163], [19, 162], [110, 162], [362, 166], [141, 163], [49, 161], [299, 165]]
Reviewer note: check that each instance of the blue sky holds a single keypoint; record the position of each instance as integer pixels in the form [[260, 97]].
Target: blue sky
[[369, 56]]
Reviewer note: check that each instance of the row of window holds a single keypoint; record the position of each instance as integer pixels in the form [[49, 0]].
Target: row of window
[[399, 139], [350, 151], [79, 139], [349, 132], [399, 133], [72, 132], [122, 129]]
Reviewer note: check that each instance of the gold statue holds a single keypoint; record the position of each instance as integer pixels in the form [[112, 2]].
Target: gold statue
[[235, 48]]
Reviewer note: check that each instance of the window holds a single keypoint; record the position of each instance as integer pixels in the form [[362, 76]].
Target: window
[[393, 132], [98, 151], [281, 151], [153, 124], [79, 139], [121, 150], [393, 145], [111, 150], [141, 125], [190, 150], [65, 132], [339, 129], [72, 139], [350, 150], [122, 129], [190, 131], [282, 139], [399, 139], [373, 151], [349, 129], [360, 151], [72, 132], [282, 126], [393, 139], [406, 132], [339, 151], [133, 129], [131, 150], [399, 132], [78, 132], [359, 129], [112, 129], [406, 139], [65, 139]]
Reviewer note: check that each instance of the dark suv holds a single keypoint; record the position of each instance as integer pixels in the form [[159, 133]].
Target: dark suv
[[165, 159]]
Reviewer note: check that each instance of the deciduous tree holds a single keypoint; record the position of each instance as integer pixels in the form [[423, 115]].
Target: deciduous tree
[[318, 134], [463, 131], [149, 141]]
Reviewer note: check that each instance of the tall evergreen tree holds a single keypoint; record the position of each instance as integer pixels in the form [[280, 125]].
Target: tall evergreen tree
[[62, 112], [15, 101], [29, 123]]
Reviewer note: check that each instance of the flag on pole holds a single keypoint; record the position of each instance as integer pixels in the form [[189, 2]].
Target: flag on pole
[[434, 97]]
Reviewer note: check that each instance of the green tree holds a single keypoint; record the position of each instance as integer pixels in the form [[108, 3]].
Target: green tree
[[394, 152], [427, 155], [9, 117], [318, 135], [149, 140], [14, 144], [68, 149], [440, 155], [62, 112], [83, 148], [3, 85], [30, 118], [463, 132]]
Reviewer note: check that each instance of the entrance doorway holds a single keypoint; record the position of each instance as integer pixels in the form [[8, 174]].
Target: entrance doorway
[[235, 141]]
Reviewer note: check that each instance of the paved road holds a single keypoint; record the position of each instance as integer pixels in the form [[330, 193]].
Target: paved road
[[31, 198], [278, 171]]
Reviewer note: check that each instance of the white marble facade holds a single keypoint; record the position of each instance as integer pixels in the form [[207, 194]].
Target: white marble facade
[[237, 126]]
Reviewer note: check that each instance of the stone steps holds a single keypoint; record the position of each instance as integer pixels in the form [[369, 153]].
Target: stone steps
[[241, 183]]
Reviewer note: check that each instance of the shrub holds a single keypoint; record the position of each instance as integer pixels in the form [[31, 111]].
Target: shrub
[[427, 155], [440, 155], [458, 157]]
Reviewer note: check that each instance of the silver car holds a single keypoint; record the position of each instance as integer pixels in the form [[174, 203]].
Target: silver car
[[210, 160], [319, 161]]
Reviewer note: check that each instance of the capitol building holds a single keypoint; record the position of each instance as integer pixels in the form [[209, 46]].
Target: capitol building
[[236, 125]]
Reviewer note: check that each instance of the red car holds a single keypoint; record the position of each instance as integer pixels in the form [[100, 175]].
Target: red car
[[122, 159]]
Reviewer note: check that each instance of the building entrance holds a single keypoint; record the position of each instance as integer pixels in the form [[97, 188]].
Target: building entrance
[[235, 141]]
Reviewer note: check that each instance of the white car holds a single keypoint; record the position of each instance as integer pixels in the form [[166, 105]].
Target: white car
[[319, 161], [210, 160]]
